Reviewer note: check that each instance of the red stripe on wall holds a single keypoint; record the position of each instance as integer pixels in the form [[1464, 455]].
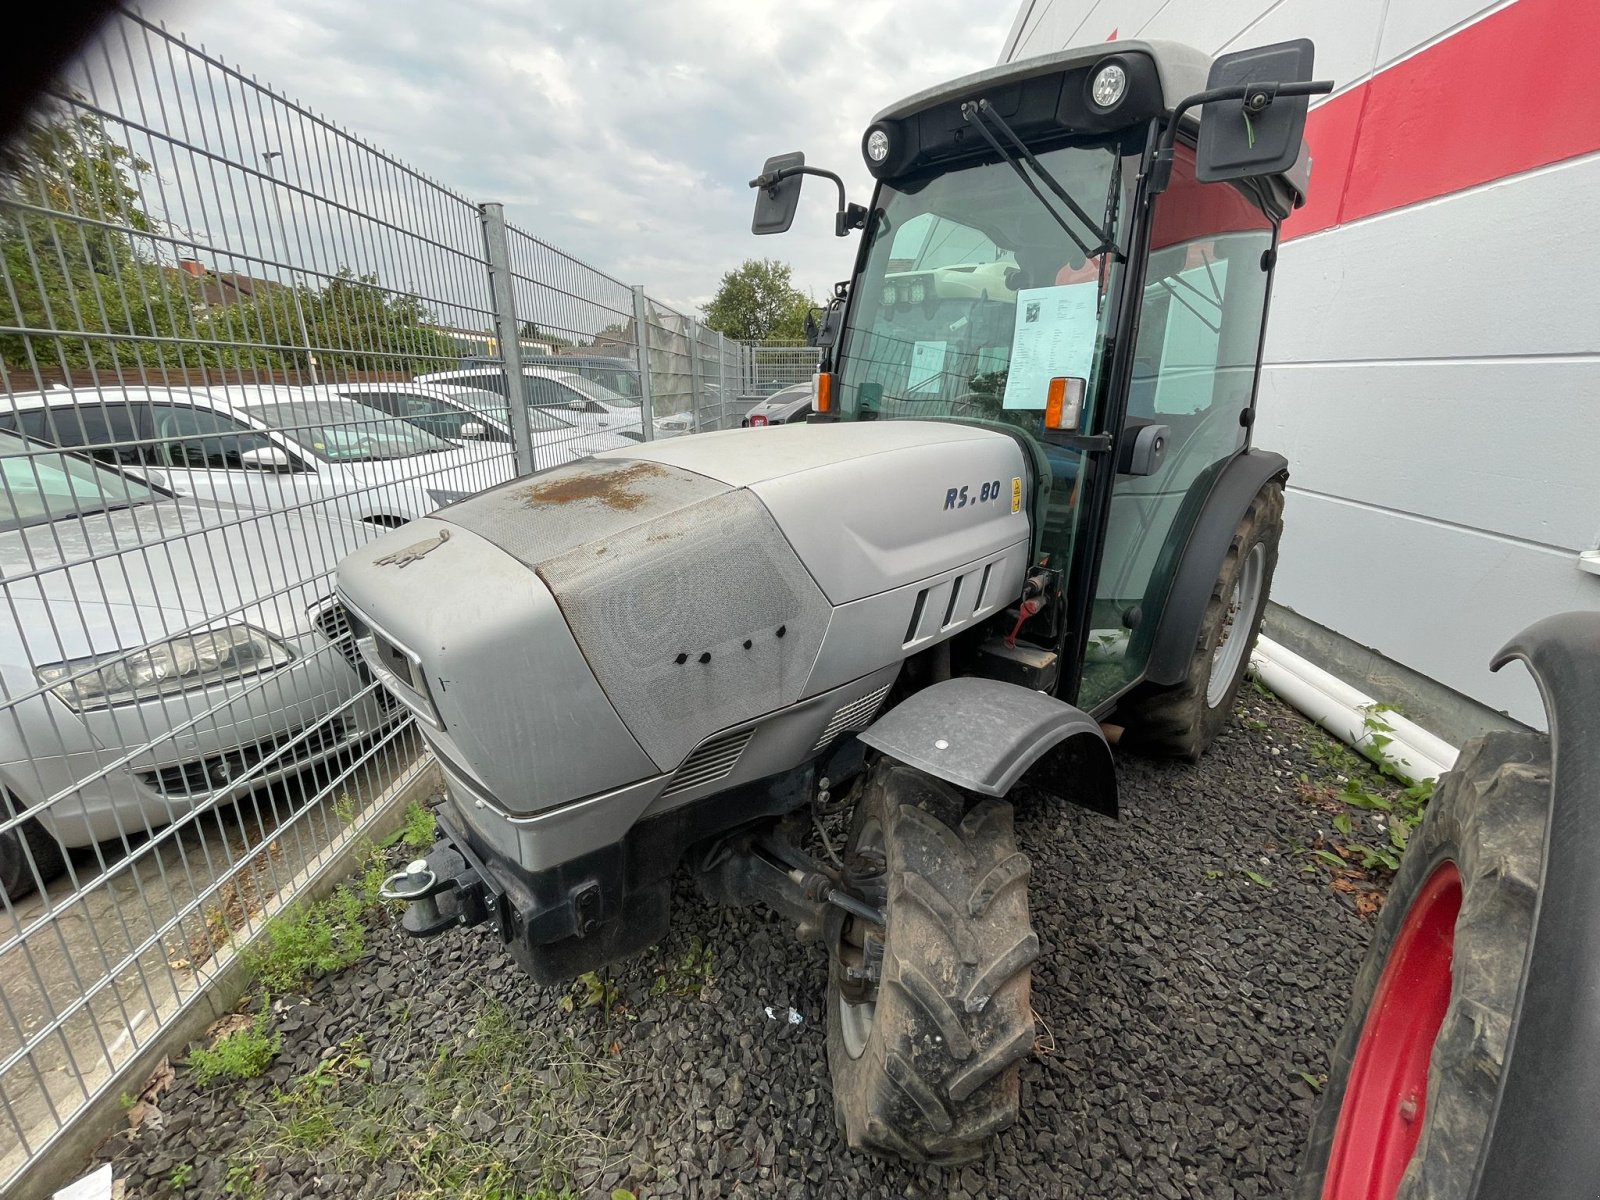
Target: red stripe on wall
[[1517, 90]]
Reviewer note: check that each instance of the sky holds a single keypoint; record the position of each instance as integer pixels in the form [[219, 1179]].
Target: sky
[[624, 132]]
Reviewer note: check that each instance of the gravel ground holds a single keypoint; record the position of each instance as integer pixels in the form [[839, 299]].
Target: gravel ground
[[1185, 1012]]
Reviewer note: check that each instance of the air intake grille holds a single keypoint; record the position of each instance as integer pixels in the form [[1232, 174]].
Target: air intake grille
[[334, 623], [710, 762], [856, 715]]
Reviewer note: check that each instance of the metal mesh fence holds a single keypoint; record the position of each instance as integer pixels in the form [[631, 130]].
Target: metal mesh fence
[[236, 343]]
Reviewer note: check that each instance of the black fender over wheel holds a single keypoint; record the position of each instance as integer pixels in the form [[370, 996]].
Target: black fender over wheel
[[1413, 1081], [1183, 720], [929, 1018]]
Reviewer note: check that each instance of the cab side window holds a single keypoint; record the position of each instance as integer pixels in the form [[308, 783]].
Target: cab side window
[[204, 440]]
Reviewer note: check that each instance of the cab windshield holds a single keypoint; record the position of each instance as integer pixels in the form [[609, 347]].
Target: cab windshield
[[974, 297]]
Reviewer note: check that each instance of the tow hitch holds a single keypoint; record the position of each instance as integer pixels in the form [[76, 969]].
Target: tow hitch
[[445, 891]]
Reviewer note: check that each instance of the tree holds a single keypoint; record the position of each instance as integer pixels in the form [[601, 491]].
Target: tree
[[758, 302], [354, 322], [90, 270]]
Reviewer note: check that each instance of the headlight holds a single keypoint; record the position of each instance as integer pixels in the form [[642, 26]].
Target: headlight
[[919, 291], [888, 293], [1110, 82], [443, 496], [192, 661]]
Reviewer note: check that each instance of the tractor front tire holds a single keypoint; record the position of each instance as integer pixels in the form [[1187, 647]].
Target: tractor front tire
[[1183, 720], [926, 1058], [1412, 1083]]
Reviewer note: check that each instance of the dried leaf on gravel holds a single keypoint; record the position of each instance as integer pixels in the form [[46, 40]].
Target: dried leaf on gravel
[[1369, 903], [160, 1080], [144, 1114], [228, 1023]]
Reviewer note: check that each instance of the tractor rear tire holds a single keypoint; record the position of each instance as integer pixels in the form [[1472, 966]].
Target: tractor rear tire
[[1182, 721], [1409, 1095], [928, 1069]]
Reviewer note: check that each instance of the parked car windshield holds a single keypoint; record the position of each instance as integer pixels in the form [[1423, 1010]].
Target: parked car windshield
[[492, 404], [40, 488], [343, 431], [593, 390]]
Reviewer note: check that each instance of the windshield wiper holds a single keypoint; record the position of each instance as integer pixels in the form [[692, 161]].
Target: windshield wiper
[[980, 114]]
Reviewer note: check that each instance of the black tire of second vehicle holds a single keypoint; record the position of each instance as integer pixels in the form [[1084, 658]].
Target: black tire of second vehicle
[[1177, 721], [1488, 817], [17, 878], [938, 1075]]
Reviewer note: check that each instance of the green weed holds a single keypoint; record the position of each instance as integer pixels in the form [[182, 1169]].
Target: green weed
[[309, 940], [181, 1174], [242, 1053]]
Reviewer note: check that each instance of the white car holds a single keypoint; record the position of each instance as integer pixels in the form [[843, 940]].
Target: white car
[[593, 407], [212, 658], [266, 448], [464, 414]]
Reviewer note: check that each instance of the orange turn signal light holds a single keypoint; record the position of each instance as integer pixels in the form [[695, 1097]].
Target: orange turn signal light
[[822, 391], [1063, 406]]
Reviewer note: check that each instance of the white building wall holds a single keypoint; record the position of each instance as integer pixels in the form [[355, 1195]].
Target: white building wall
[[1432, 372]]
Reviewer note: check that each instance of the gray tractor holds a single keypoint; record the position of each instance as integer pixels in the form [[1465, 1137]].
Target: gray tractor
[[1025, 510]]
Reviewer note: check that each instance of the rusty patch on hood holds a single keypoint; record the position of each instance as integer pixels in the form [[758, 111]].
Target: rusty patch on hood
[[623, 489]]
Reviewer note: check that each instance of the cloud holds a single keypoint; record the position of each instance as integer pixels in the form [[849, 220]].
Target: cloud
[[621, 131]]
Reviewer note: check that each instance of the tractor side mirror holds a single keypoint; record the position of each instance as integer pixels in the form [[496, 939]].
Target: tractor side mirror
[[1258, 134], [777, 200]]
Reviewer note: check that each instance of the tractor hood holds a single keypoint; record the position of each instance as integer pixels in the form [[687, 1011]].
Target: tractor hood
[[868, 506], [682, 588]]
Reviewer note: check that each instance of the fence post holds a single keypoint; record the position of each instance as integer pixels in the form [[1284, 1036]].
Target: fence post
[[641, 337], [502, 298], [696, 396]]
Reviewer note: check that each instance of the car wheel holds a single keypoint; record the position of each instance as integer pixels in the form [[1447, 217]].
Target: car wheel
[[29, 857]]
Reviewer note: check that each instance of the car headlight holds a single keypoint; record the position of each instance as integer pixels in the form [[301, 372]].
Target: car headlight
[[195, 660], [443, 496]]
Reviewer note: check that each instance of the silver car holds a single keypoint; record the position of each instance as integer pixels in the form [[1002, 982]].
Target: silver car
[[160, 654]]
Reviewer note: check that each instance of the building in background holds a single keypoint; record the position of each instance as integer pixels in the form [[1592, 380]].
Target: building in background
[[1432, 367]]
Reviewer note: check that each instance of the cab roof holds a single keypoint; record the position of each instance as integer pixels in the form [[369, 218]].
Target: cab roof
[[1182, 71]]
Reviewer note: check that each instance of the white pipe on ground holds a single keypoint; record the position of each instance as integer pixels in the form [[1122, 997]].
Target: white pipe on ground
[[1347, 713]]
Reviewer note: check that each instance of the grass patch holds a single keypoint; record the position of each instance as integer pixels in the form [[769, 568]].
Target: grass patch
[[418, 828], [241, 1053], [309, 940], [687, 975], [501, 1113]]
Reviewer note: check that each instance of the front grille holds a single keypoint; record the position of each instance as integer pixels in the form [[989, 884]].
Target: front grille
[[220, 770], [851, 717], [335, 623], [709, 762]]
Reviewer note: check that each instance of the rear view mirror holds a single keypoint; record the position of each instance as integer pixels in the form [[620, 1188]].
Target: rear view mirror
[[264, 458], [1260, 134], [776, 202], [471, 429]]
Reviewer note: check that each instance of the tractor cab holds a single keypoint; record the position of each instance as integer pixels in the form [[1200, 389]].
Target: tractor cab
[[1076, 249]]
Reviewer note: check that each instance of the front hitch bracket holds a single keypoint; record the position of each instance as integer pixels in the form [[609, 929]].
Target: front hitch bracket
[[443, 891]]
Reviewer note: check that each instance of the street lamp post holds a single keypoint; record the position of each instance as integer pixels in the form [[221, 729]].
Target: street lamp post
[[294, 289]]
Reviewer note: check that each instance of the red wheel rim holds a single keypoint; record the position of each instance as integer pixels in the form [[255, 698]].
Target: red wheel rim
[[1386, 1097]]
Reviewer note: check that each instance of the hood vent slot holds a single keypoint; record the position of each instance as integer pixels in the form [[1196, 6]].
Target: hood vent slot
[[853, 717], [709, 762]]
